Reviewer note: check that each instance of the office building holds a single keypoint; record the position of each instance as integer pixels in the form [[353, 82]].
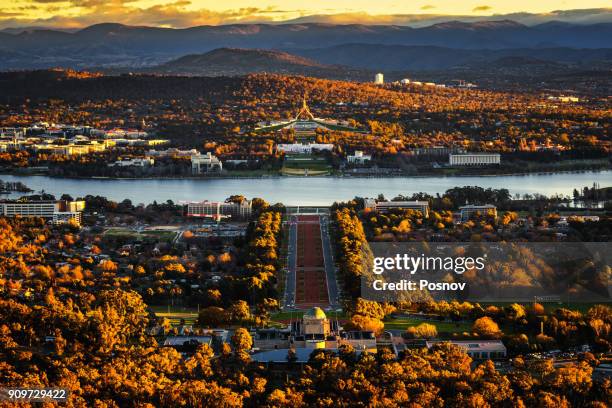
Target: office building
[[436, 151], [63, 217], [204, 163], [70, 149], [136, 162], [473, 159], [172, 152], [565, 99], [219, 210], [43, 209], [467, 211], [58, 212], [71, 206], [379, 79]]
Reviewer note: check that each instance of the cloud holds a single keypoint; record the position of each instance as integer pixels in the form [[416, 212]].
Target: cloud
[[74, 14], [6, 14], [174, 14]]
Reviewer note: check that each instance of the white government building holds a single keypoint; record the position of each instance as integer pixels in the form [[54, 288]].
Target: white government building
[[473, 159], [303, 148], [358, 158], [203, 163]]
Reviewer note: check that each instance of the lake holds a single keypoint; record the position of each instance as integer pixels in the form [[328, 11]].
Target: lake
[[303, 190]]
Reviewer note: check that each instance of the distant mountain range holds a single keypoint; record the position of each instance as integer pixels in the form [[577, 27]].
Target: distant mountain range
[[377, 46], [401, 57], [575, 16], [428, 16]]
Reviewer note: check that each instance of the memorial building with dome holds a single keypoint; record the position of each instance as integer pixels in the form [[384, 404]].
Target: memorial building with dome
[[314, 330]]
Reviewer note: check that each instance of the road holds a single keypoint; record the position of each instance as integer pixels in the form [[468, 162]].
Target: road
[[328, 259], [289, 298]]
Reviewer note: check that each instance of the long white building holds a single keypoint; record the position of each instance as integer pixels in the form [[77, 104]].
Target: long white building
[[473, 159], [477, 349], [303, 148], [385, 206], [134, 162], [58, 212]]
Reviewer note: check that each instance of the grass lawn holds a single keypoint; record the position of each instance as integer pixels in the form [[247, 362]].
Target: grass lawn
[[339, 128], [120, 231], [582, 307], [401, 323], [306, 163], [160, 235], [176, 313], [450, 171], [252, 173], [271, 128], [288, 171], [295, 164], [297, 314]]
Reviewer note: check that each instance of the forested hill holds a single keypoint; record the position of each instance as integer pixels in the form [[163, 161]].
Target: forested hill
[[240, 61], [249, 90]]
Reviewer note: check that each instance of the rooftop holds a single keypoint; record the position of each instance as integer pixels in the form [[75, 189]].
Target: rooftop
[[400, 203], [473, 345], [181, 340], [316, 313], [302, 355]]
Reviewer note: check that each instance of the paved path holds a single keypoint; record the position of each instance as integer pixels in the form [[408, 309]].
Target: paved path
[[331, 281], [311, 279]]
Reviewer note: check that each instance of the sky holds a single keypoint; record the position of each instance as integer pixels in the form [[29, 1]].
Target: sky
[[186, 13]]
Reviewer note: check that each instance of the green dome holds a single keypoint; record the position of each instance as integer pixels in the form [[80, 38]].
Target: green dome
[[315, 313]]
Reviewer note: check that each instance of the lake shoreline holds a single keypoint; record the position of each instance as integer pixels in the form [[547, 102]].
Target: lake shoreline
[[302, 191], [330, 176]]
